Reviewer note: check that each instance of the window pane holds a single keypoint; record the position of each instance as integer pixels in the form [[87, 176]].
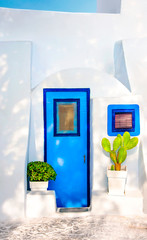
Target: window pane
[[66, 117], [123, 120]]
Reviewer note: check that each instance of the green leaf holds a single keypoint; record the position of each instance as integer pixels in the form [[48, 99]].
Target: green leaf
[[132, 143], [112, 167], [126, 138], [113, 156], [106, 144], [122, 154], [40, 171], [120, 137], [116, 143]]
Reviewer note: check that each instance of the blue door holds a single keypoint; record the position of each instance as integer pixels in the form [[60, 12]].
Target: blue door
[[67, 144]]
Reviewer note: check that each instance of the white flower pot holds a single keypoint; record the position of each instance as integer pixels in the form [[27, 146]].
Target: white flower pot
[[117, 181], [38, 186]]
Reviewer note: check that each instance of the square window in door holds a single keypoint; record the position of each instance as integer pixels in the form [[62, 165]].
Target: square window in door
[[66, 117]]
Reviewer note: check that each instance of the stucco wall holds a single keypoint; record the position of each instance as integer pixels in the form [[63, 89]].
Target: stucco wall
[[72, 40], [101, 159], [14, 126], [68, 50], [133, 70]]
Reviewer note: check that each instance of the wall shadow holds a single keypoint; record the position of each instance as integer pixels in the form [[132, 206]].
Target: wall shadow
[[111, 6]]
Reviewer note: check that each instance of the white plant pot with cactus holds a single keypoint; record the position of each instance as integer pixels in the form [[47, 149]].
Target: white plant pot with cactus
[[117, 181], [117, 174]]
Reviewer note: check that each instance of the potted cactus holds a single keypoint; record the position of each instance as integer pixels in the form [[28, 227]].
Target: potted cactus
[[117, 174]]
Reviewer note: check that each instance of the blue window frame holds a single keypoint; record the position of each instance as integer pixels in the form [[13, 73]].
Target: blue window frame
[[62, 108], [123, 118]]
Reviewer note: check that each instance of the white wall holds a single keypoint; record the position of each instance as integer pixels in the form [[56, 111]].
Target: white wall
[[68, 50], [134, 62], [72, 40], [101, 158], [14, 126]]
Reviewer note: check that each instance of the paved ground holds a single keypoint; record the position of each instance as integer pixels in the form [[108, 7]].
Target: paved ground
[[75, 228]]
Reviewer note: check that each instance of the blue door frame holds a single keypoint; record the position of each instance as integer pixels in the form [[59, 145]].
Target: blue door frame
[[51, 99]]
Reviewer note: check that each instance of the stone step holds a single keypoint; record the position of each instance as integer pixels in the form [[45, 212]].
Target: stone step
[[40, 204], [129, 204], [43, 204]]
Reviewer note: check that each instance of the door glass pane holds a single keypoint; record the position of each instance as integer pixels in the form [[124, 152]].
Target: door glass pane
[[66, 117]]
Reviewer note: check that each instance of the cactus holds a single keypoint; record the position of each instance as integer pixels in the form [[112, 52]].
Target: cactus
[[120, 146], [121, 155], [116, 143], [132, 143], [112, 167], [106, 145], [126, 138], [113, 156]]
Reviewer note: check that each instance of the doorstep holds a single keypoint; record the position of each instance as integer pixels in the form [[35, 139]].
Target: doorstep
[[74, 210]]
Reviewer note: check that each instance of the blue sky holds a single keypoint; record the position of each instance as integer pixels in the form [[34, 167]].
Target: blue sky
[[52, 5]]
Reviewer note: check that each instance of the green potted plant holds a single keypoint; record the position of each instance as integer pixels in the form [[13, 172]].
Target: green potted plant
[[117, 174], [39, 174]]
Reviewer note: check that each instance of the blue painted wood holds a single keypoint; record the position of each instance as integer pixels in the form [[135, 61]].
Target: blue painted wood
[[123, 108], [66, 153]]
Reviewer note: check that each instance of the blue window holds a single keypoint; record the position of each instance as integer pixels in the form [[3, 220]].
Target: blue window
[[66, 117], [123, 118]]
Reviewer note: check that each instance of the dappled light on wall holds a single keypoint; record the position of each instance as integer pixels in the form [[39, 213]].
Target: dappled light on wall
[[14, 125]]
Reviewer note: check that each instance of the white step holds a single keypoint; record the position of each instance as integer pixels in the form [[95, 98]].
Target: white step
[[43, 204], [40, 204], [130, 204]]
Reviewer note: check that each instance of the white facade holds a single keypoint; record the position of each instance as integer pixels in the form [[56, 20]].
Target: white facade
[[50, 49], [14, 125]]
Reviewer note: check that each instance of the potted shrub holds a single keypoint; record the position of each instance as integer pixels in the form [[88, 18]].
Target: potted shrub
[[39, 174], [116, 173]]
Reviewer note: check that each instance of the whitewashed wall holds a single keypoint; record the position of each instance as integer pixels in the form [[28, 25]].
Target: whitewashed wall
[[101, 158], [73, 50], [14, 126], [134, 63], [72, 40]]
